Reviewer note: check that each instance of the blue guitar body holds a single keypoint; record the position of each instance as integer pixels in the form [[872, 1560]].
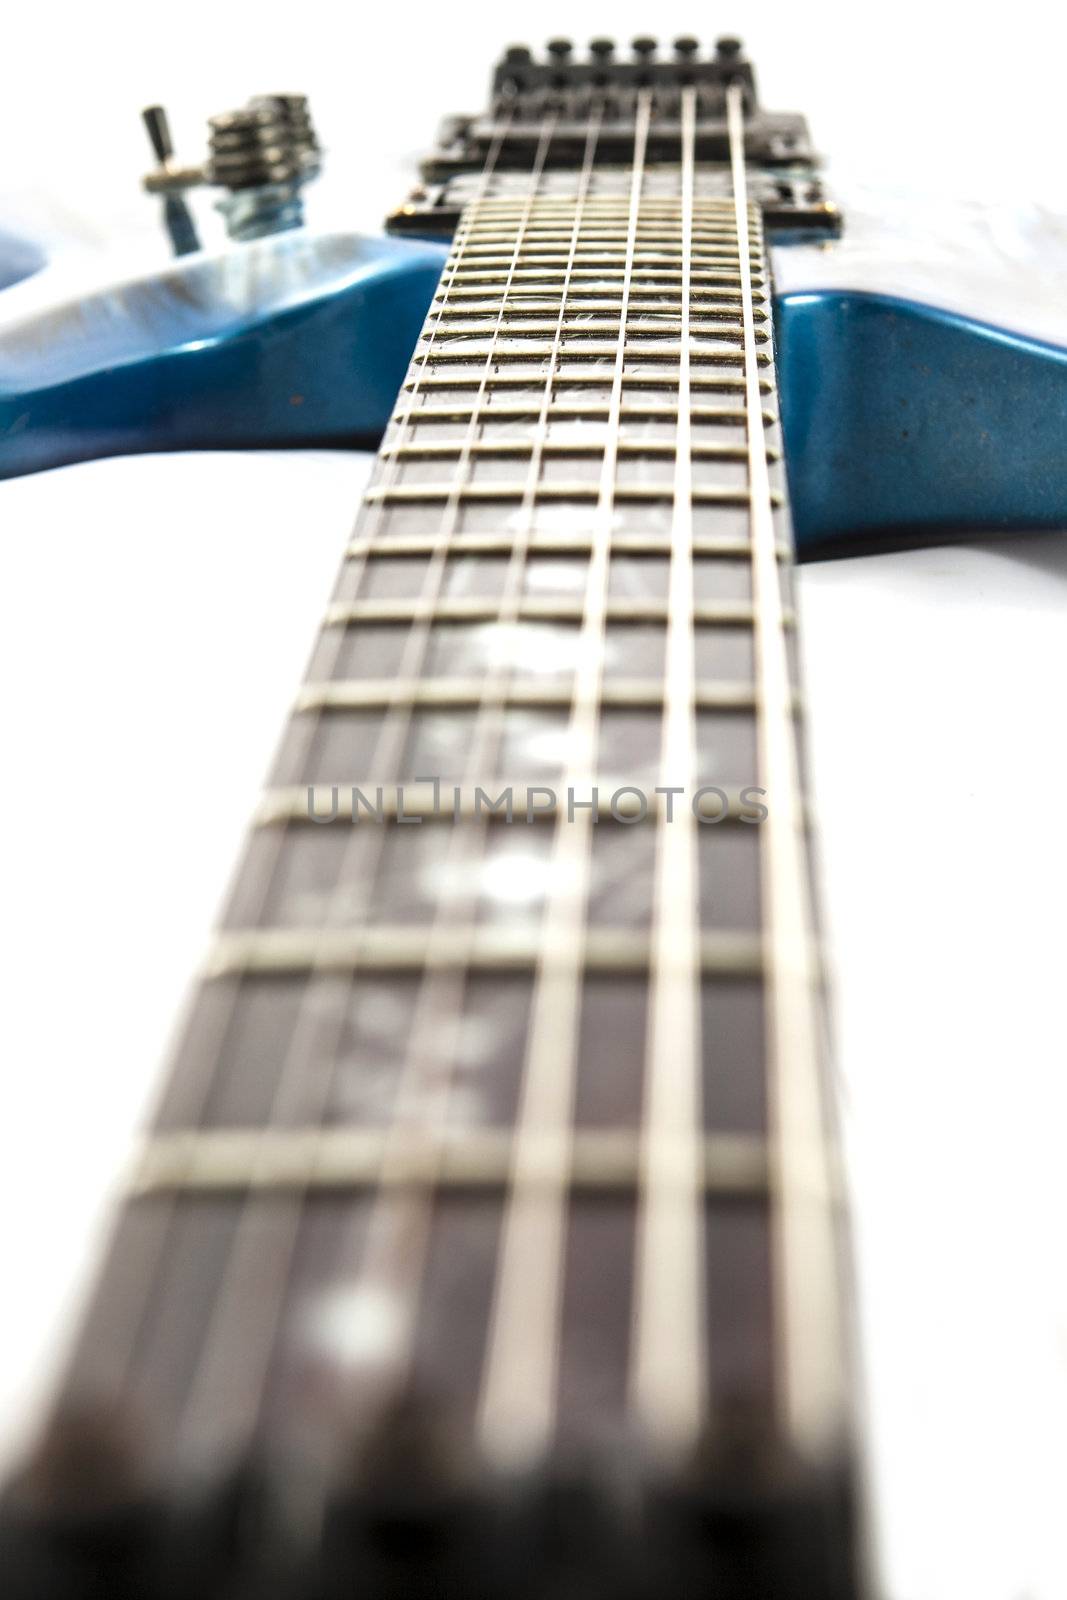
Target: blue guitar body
[[295, 340], [905, 421], [19, 258], [902, 420], [486, 1237]]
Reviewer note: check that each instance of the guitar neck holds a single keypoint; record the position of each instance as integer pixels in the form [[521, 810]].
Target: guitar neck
[[500, 1116]]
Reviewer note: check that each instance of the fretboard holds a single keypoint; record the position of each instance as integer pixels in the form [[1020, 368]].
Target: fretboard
[[502, 1092]]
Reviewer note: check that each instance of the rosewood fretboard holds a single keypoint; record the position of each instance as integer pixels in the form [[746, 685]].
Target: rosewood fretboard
[[520, 1118]]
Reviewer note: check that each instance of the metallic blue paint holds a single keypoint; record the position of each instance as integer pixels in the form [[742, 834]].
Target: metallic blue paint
[[295, 340], [19, 258], [900, 420], [904, 420]]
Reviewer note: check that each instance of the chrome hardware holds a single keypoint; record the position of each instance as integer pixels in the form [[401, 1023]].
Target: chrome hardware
[[262, 154], [170, 181]]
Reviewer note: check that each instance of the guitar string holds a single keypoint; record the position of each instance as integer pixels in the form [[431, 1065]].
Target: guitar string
[[110, 1365], [786, 1008], [808, 1332], [394, 1255], [304, 728], [668, 1372], [517, 1407], [360, 861], [437, 1026]]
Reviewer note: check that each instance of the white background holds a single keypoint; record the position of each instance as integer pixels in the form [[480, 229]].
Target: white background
[[154, 619]]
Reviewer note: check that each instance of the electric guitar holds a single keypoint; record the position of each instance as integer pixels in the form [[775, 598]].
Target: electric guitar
[[487, 1235]]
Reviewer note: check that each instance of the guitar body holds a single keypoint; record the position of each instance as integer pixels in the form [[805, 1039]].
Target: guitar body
[[899, 416], [297, 340], [488, 1236], [898, 413], [20, 258]]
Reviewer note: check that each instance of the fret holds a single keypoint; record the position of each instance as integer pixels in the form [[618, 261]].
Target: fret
[[712, 194], [608, 193], [617, 952], [650, 258], [598, 209], [597, 220], [707, 548], [635, 350], [647, 256], [605, 263], [451, 609], [582, 378], [711, 244], [240, 1160], [521, 304], [448, 449], [571, 493], [659, 225], [604, 271], [608, 186], [651, 244], [650, 249], [658, 237], [452, 327], [560, 408], [714, 215], [533, 301], [599, 212], [660, 221], [649, 279], [622, 693]]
